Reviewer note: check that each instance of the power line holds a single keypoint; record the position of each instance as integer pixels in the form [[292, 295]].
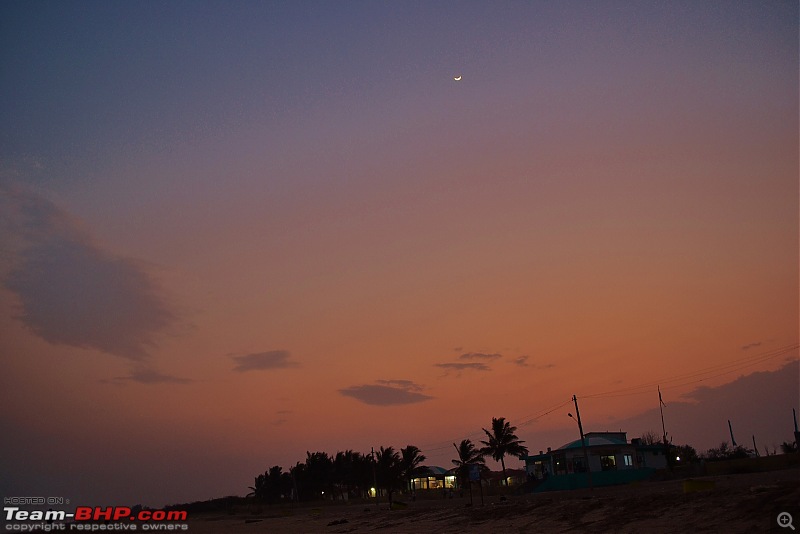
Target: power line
[[674, 382], [706, 374], [528, 420], [547, 412]]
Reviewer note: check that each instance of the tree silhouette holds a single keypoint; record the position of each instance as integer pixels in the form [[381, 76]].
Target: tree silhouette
[[389, 470], [726, 452], [352, 473], [650, 438], [468, 456], [319, 475], [272, 486], [686, 453], [410, 461], [502, 441], [259, 489], [298, 474]]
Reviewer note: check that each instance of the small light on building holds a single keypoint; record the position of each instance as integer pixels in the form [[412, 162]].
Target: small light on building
[[677, 458]]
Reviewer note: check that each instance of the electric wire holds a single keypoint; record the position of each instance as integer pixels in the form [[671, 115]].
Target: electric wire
[[689, 378], [671, 383]]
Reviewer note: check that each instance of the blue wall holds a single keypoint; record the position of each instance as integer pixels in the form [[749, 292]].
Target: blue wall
[[599, 478]]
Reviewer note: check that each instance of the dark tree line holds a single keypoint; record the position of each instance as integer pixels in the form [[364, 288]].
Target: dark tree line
[[351, 474], [345, 475]]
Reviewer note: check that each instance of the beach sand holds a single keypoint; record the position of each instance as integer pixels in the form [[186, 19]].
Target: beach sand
[[736, 503]]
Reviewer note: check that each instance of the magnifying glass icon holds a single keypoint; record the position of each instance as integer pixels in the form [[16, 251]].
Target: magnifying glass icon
[[785, 520]]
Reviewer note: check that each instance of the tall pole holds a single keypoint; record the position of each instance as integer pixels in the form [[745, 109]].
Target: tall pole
[[661, 407], [664, 429], [583, 442], [796, 433], [733, 441]]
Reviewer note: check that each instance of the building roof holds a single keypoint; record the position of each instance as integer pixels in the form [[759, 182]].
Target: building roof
[[592, 441], [431, 471]]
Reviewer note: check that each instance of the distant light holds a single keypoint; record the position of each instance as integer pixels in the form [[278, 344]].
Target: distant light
[[677, 458], [457, 78]]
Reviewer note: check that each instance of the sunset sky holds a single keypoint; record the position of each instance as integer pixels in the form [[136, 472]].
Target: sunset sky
[[234, 232]]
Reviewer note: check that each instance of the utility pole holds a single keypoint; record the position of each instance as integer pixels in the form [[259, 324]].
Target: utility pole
[[754, 445], [796, 433], [661, 407], [733, 441], [664, 429], [583, 442]]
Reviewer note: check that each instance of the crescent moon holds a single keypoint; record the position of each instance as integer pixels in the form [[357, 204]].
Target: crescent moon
[[457, 78]]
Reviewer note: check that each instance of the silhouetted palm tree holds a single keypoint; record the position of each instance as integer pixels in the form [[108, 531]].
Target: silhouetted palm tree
[[468, 456], [503, 441], [318, 475], [352, 473], [271, 486], [389, 470], [260, 488], [411, 458], [298, 473]]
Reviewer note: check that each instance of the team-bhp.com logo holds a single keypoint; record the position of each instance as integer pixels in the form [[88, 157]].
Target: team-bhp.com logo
[[93, 518]]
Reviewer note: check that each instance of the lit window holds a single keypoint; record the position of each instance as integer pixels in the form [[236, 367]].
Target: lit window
[[608, 463], [627, 460]]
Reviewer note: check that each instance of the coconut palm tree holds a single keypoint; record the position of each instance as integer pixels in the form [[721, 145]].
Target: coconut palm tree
[[468, 456], [389, 470], [260, 488], [502, 441], [318, 475], [297, 472], [410, 459]]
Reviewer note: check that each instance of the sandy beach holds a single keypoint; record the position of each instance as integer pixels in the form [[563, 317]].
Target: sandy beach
[[735, 503]]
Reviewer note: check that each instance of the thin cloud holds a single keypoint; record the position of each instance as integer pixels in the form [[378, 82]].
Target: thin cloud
[[466, 362], [281, 418], [751, 345], [480, 356], [73, 292], [522, 361], [458, 366], [402, 384], [264, 361], [525, 361], [145, 375], [402, 392]]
